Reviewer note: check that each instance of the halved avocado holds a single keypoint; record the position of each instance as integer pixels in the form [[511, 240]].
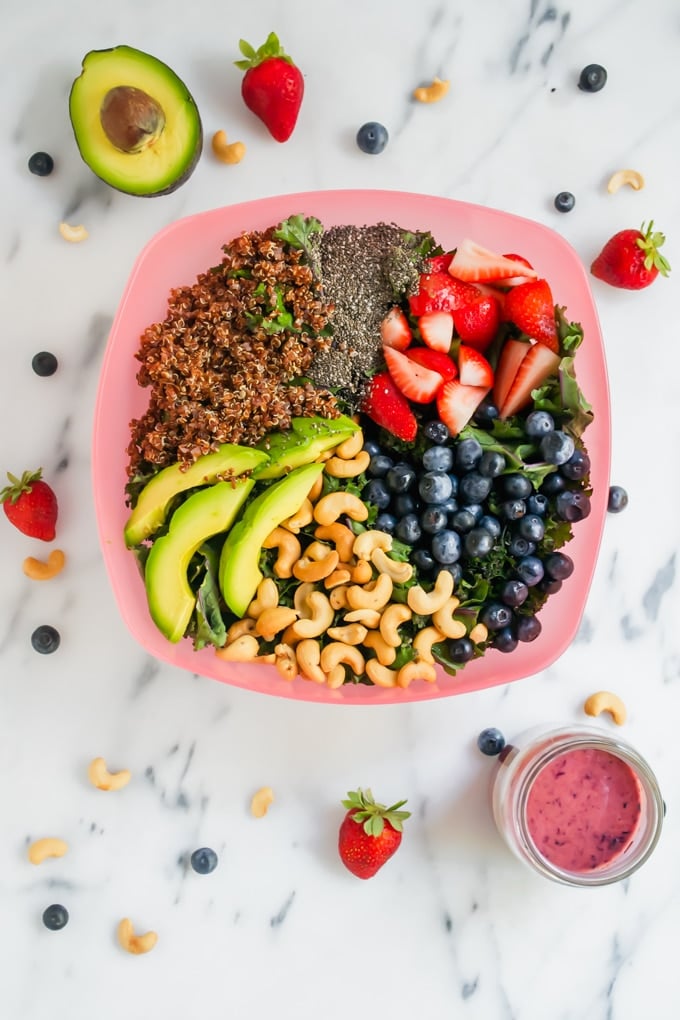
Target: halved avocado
[[307, 439], [239, 573], [152, 505], [206, 513], [136, 124]]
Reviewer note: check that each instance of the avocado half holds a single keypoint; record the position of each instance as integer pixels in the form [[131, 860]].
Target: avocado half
[[135, 122]]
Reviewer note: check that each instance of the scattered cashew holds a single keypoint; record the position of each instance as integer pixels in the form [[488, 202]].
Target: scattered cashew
[[391, 620], [372, 596], [309, 569], [369, 617], [350, 447], [243, 649], [416, 671], [135, 944], [621, 177], [361, 572], [444, 621], [261, 801], [385, 653], [308, 654], [266, 597], [244, 626], [335, 657], [478, 634], [50, 846], [100, 776], [368, 541], [38, 570], [425, 603], [289, 550], [605, 701], [286, 661], [423, 641], [351, 633], [320, 619], [73, 234], [380, 674], [338, 467], [300, 519], [226, 152], [340, 535], [272, 621], [332, 506], [432, 93], [399, 571]]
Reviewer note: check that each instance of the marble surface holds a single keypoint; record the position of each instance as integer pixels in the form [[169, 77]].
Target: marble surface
[[453, 926]]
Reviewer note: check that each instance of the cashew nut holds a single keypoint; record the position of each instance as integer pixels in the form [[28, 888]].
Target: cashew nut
[[391, 620], [309, 569], [416, 671], [369, 617], [321, 616], [243, 649], [340, 535], [100, 776], [337, 655], [371, 596], [621, 177], [225, 152], [338, 597], [335, 504], [73, 234], [432, 93], [478, 634], [135, 944], [444, 621], [286, 661], [338, 467], [273, 621], [350, 447], [605, 701], [309, 656], [361, 572], [380, 675], [300, 519], [368, 541], [289, 550], [351, 633], [266, 597], [386, 654], [316, 489], [300, 599], [425, 603], [289, 637], [38, 570], [50, 846], [261, 801], [423, 641], [336, 578], [244, 626], [399, 571]]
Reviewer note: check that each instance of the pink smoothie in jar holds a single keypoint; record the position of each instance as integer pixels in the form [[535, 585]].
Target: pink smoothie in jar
[[583, 809]]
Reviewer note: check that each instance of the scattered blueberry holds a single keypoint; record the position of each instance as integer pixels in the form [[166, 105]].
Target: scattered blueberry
[[385, 522], [577, 467], [379, 465], [204, 861], [478, 542], [618, 499], [513, 509], [495, 616], [593, 77], [371, 447], [558, 566], [461, 650], [491, 741], [505, 640], [437, 432], [463, 520], [530, 570], [408, 529], [41, 164], [490, 524], [564, 201], [446, 546], [375, 491], [434, 519], [549, 585], [531, 527], [517, 486], [372, 138], [538, 424], [468, 454], [423, 560], [44, 363], [528, 628], [553, 483], [491, 464], [557, 447], [572, 506], [438, 458], [45, 639], [537, 504], [55, 917], [520, 546], [474, 487], [435, 487], [514, 593], [400, 478]]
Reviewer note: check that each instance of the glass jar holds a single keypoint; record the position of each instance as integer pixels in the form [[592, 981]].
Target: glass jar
[[577, 805]]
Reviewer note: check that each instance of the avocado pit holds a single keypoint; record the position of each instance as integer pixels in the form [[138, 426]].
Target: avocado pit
[[131, 119]]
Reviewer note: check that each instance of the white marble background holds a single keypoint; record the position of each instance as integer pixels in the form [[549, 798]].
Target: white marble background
[[453, 927]]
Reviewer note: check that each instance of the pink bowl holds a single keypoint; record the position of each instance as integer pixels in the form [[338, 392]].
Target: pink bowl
[[177, 254]]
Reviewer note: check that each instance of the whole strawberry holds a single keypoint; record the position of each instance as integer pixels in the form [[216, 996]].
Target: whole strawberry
[[370, 833], [30, 505], [272, 86], [631, 259]]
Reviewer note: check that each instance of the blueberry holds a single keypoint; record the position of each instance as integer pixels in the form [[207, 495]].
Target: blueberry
[[438, 458], [491, 464], [538, 424], [593, 78], [463, 520], [408, 529], [468, 454], [385, 522], [618, 499], [478, 542], [449, 506], [490, 524], [446, 547], [572, 506], [553, 484], [486, 412], [55, 917], [454, 483], [41, 164], [558, 566], [513, 509], [203, 861], [519, 546], [400, 478], [577, 467], [405, 503], [505, 640], [372, 138], [45, 639], [435, 487], [564, 201], [454, 569], [531, 527], [528, 628], [473, 487], [514, 593], [44, 363], [517, 486], [557, 447], [461, 650], [376, 492], [495, 615], [372, 448], [379, 465], [537, 504], [423, 560], [433, 519], [437, 432], [491, 741], [530, 570], [549, 586]]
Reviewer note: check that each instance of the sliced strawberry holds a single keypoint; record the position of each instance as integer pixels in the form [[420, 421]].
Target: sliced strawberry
[[385, 405], [439, 263], [415, 381], [473, 263], [436, 329], [473, 368], [457, 403], [395, 330], [513, 354], [518, 258], [439, 292], [539, 363], [477, 323], [436, 360], [531, 307]]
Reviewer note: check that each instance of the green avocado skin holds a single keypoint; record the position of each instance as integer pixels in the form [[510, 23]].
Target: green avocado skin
[[206, 513], [307, 439], [239, 571]]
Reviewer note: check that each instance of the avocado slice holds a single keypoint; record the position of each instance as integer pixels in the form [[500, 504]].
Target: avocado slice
[[307, 439], [240, 573], [135, 122], [152, 505], [206, 513]]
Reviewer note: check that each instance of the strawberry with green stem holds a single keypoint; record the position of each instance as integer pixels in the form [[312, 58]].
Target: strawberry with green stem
[[631, 259], [30, 505], [272, 87], [370, 833]]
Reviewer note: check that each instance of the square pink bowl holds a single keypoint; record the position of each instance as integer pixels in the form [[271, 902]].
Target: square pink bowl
[[176, 255]]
